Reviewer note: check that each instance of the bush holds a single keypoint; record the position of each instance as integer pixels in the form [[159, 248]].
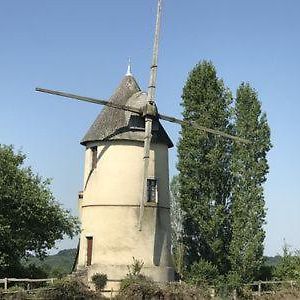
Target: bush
[[99, 280], [67, 288], [265, 273], [142, 287], [287, 294], [176, 290], [203, 273], [139, 287], [288, 267], [135, 268], [16, 293]]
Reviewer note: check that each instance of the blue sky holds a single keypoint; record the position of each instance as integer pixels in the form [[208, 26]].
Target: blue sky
[[83, 47]]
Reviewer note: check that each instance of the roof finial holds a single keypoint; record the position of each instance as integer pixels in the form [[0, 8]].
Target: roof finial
[[129, 68]]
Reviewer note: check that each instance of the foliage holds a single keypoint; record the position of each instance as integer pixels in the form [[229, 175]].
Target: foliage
[[288, 267], [272, 260], [30, 219], [249, 169], [55, 266], [99, 280], [139, 287], [135, 268], [67, 288], [204, 161], [220, 184], [229, 284], [31, 271], [286, 293], [175, 211], [184, 291], [265, 272], [203, 273], [176, 226], [15, 293], [136, 285]]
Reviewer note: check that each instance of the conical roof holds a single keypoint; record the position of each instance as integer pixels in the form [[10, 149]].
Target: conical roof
[[116, 124]]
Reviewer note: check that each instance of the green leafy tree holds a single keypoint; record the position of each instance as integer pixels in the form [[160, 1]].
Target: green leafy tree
[[249, 169], [176, 226], [204, 166], [288, 267], [30, 219]]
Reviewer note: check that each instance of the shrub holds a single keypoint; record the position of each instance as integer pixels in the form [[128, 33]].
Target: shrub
[[15, 292], [99, 280], [176, 290], [265, 273], [135, 268], [67, 288], [288, 267], [142, 287], [203, 273], [287, 294], [139, 287]]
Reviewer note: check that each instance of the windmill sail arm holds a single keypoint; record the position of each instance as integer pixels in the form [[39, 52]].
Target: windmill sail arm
[[153, 69], [203, 128], [146, 158], [91, 100]]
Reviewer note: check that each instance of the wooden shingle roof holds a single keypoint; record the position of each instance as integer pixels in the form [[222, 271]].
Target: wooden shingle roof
[[116, 124]]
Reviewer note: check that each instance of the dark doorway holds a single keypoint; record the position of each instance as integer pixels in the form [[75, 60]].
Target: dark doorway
[[89, 240]]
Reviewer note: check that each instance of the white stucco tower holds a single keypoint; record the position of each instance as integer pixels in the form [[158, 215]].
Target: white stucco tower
[[112, 191]]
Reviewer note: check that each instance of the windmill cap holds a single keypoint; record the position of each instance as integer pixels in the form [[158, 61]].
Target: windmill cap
[[116, 124]]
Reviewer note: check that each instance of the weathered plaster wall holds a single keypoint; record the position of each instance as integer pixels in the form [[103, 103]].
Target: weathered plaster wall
[[110, 210]]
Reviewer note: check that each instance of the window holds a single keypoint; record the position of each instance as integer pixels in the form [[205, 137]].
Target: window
[[151, 190], [94, 157], [89, 240]]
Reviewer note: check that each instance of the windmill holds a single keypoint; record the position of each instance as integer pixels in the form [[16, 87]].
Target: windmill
[[139, 110]]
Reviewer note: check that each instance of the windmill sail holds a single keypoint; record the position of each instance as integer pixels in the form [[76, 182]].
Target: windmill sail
[[149, 117]]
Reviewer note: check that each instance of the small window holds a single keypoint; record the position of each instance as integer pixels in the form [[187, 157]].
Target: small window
[[151, 190], [89, 240], [94, 157]]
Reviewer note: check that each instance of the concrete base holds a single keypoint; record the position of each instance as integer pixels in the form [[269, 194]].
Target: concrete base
[[116, 273]]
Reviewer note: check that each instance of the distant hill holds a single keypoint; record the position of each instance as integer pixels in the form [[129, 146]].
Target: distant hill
[[56, 265]]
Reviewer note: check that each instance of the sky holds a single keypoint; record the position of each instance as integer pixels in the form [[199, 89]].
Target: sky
[[82, 46]]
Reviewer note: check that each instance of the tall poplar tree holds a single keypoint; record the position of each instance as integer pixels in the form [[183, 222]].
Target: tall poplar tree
[[249, 169], [176, 226], [204, 173]]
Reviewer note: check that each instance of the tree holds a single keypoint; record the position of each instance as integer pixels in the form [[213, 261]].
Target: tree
[[204, 166], [249, 169], [30, 219], [176, 226], [288, 267]]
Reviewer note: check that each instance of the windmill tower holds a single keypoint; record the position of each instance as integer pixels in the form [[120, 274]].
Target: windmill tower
[[113, 180], [122, 171], [125, 205]]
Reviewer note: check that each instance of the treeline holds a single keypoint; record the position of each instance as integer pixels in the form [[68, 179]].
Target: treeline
[[218, 208]]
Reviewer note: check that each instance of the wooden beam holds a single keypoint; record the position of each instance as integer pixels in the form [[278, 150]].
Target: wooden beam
[[90, 100]]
